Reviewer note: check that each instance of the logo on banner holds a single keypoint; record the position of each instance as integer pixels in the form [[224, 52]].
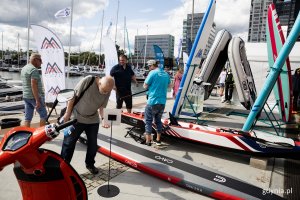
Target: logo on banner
[[54, 91], [53, 69], [50, 44], [199, 54]]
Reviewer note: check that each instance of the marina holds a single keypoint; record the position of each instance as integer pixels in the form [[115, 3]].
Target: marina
[[230, 129]]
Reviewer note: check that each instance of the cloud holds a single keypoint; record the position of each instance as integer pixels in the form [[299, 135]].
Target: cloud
[[232, 15], [14, 18]]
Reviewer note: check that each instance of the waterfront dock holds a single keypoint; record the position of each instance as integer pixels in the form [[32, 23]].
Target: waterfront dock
[[273, 174]]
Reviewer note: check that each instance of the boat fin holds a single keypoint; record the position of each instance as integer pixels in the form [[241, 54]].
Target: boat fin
[[173, 120]]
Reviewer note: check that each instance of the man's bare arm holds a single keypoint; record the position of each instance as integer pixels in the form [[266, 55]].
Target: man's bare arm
[[35, 92]]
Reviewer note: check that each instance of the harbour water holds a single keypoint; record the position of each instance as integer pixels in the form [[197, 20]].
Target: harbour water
[[70, 82]]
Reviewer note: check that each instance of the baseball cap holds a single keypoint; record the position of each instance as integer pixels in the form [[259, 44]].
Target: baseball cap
[[151, 62]]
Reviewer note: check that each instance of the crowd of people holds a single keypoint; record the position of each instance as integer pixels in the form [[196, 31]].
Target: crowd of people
[[89, 114], [93, 94]]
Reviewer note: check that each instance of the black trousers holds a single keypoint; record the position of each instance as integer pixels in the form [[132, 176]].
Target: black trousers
[[295, 100], [228, 91]]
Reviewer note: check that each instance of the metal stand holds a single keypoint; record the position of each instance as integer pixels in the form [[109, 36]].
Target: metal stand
[[136, 136], [109, 190], [268, 119]]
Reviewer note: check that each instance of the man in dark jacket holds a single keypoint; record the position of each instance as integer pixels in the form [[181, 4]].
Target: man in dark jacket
[[123, 74], [296, 89]]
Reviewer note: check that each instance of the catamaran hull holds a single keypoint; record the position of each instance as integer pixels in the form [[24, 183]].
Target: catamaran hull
[[215, 61], [241, 71], [256, 143]]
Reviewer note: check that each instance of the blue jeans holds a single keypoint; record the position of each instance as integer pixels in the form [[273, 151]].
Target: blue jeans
[[69, 143], [30, 106], [153, 111]]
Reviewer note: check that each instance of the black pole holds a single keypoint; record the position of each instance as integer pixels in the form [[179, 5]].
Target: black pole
[[133, 94], [109, 154], [109, 190]]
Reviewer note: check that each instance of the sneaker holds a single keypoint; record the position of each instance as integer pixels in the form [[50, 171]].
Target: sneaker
[[223, 101], [92, 169], [148, 144], [158, 143], [228, 102]]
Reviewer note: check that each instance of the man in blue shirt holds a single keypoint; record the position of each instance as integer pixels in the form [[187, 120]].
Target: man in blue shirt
[[157, 83]]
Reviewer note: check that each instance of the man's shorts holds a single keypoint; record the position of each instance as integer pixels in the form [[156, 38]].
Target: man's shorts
[[30, 106], [127, 100]]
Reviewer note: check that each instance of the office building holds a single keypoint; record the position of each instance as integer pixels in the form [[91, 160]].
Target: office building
[[165, 42], [286, 10], [190, 34]]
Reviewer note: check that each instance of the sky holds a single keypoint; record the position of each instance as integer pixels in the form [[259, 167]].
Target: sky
[[161, 17]]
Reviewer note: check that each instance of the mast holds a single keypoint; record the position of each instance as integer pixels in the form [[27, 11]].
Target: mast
[[28, 25], [18, 50], [70, 38], [192, 23], [2, 47], [145, 49], [101, 38], [124, 33], [117, 22], [137, 49], [129, 51]]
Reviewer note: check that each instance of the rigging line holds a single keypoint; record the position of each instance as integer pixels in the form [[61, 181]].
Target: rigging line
[[87, 60]]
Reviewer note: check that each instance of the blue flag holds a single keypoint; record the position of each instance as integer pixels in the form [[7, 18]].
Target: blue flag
[[159, 55]]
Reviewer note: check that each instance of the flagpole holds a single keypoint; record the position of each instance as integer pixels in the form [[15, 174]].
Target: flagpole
[[117, 23], [28, 25], [101, 38], [70, 39]]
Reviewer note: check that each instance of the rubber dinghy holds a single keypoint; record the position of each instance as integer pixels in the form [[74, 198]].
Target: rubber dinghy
[[253, 142], [215, 61], [282, 89], [241, 72]]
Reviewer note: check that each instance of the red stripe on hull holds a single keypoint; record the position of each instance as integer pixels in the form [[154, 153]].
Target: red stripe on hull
[[222, 195], [140, 167]]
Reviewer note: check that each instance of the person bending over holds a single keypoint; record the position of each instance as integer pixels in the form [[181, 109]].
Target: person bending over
[[87, 112]]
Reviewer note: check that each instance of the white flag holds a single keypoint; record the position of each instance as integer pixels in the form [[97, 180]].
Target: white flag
[[66, 12]]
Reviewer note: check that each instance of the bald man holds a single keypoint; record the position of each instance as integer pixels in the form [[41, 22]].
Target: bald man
[[87, 112]]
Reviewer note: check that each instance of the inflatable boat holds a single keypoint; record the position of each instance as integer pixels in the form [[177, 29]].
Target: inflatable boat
[[215, 61], [241, 72]]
